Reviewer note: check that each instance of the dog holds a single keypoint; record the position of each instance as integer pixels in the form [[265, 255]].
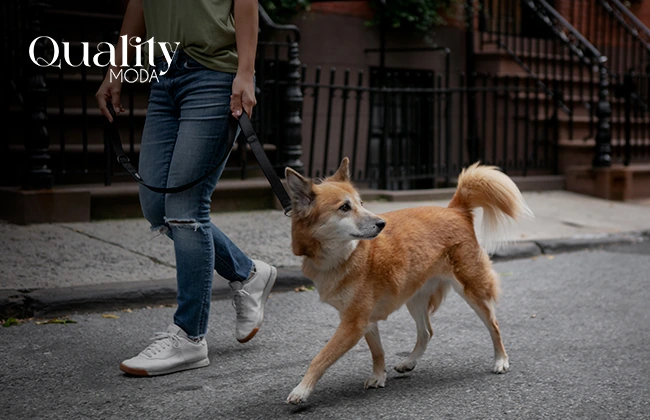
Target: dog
[[367, 266]]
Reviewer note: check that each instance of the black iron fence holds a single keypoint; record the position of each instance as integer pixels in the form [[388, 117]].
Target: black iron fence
[[402, 128], [413, 133], [612, 28], [547, 47], [583, 55], [635, 114], [56, 132]]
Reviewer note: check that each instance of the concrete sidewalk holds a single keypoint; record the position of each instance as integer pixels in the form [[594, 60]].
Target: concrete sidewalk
[[82, 266]]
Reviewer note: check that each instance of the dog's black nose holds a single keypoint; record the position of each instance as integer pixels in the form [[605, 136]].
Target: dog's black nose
[[380, 224]]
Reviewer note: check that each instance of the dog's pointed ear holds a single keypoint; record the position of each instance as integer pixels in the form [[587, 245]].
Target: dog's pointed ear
[[301, 188], [343, 172]]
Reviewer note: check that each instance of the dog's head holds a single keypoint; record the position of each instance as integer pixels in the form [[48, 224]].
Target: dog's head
[[328, 212]]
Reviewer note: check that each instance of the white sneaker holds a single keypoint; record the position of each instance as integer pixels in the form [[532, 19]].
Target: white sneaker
[[171, 352], [249, 298]]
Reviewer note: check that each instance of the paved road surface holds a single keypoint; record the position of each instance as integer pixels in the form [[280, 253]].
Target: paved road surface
[[576, 327]]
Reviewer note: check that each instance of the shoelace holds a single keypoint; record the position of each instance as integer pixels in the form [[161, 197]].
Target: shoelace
[[237, 301], [162, 341]]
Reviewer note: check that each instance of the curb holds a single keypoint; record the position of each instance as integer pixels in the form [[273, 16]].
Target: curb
[[107, 297], [528, 249]]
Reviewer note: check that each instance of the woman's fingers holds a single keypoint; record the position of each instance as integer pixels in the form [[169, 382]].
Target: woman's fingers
[[108, 92], [101, 101], [236, 104], [248, 104]]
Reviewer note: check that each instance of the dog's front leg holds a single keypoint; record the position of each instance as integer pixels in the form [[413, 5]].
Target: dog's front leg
[[378, 378], [348, 333]]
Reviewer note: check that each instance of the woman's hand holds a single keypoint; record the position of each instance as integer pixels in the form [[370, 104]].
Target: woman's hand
[[109, 91], [243, 95], [132, 26]]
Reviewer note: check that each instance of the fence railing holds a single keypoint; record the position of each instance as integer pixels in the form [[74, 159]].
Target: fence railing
[[615, 31], [401, 128], [612, 27], [635, 114], [57, 134], [546, 46], [405, 137], [592, 53]]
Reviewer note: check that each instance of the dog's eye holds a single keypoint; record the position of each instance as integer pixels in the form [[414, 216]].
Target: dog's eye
[[345, 208], [361, 202]]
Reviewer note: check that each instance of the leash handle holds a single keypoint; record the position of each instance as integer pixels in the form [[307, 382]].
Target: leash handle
[[251, 138]]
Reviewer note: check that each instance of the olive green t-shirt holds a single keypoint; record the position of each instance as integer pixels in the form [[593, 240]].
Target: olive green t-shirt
[[204, 28]]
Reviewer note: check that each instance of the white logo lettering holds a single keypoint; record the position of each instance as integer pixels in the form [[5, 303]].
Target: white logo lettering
[[40, 61], [106, 56]]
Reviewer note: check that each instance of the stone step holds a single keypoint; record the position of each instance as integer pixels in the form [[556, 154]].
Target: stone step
[[617, 182], [81, 203]]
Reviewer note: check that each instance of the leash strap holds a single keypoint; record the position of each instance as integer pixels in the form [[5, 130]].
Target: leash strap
[[251, 139], [265, 164]]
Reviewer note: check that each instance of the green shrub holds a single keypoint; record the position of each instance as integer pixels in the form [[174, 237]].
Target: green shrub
[[416, 15], [281, 11]]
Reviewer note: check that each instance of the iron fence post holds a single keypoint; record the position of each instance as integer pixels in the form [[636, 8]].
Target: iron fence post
[[470, 70], [292, 128], [603, 157], [559, 99], [36, 139], [628, 89], [383, 163]]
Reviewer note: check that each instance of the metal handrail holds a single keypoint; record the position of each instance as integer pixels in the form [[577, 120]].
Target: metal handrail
[[597, 60], [541, 7], [269, 22], [639, 25], [616, 8]]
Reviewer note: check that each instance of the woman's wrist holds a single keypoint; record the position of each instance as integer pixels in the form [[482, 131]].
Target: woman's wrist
[[246, 73]]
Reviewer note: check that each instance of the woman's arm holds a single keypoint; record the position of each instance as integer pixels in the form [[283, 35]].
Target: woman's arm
[[132, 26], [246, 28]]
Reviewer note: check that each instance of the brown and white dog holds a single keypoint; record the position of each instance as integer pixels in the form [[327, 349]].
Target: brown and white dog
[[367, 265]]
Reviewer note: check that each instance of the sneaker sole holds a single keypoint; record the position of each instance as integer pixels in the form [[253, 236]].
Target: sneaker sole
[[141, 372], [265, 296]]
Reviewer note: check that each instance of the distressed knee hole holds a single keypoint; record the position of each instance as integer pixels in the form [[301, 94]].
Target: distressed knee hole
[[161, 230], [183, 223]]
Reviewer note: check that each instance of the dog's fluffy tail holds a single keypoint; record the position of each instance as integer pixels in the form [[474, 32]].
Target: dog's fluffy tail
[[489, 188]]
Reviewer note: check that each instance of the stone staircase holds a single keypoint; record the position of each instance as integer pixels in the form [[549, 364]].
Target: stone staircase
[[506, 49]]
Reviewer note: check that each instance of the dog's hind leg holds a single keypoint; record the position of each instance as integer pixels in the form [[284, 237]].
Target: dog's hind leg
[[431, 293], [378, 378], [478, 285]]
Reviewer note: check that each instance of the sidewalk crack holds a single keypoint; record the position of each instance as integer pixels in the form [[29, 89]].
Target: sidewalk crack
[[153, 259]]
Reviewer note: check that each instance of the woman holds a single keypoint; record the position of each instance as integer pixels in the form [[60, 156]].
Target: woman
[[185, 134]]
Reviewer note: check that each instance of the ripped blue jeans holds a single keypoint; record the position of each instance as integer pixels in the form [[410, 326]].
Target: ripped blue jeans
[[185, 135]]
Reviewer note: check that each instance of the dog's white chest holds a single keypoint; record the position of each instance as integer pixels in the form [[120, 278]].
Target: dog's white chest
[[327, 284]]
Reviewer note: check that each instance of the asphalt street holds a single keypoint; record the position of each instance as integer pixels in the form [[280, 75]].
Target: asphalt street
[[576, 327]]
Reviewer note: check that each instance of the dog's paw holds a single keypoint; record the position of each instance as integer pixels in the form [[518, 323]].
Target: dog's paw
[[375, 381], [405, 366], [298, 395], [501, 365]]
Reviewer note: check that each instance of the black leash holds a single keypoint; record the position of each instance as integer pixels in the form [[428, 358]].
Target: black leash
[[251, 138]]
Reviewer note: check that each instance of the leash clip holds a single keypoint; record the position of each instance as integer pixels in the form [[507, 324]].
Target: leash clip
[[122, 159]]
